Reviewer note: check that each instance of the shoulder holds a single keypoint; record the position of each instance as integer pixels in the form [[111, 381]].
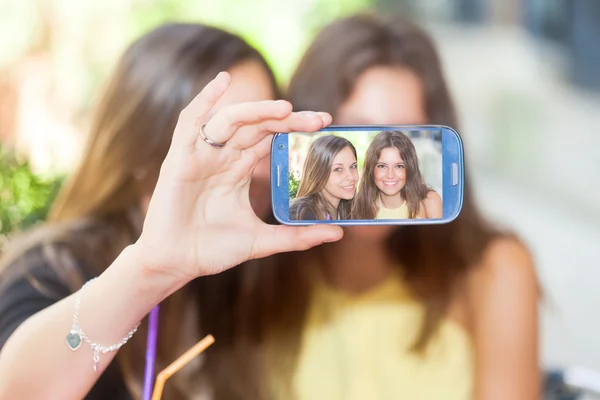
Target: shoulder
[[32, 282], [50, 268], [503, 306], [59, 251], [503, 290], [506, 264], [301, 209], [28, 284], [38, 270], [433, 204], [308, 214], [433, 198], [432, 195]]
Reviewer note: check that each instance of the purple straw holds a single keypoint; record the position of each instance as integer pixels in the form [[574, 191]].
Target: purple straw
[[150, 353]]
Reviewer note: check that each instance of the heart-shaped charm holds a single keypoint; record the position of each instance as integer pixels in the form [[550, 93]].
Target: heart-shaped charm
[[73, 341]]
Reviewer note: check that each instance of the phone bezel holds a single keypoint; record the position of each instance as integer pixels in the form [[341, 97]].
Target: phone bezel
[[452, 152]]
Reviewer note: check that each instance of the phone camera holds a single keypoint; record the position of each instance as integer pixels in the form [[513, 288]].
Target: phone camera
[[281, 147]]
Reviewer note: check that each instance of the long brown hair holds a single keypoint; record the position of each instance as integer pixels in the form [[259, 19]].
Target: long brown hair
[[98, 210], [315, 174], [433, 258], [366, 204], [131, 130]]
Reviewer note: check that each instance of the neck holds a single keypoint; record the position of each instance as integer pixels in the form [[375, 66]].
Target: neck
[[355, 264], [394, 201]]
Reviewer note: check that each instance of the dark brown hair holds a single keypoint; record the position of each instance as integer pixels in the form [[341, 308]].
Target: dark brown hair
[[434, 258], [97, 212], [315, 174], [366, 204]]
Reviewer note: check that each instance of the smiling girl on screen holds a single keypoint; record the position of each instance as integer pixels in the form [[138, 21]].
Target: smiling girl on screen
[[328, 182], [393, 187]]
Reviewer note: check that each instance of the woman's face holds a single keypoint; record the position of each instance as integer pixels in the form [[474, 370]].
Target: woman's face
[[383, 95], [249, 82], [343, 177], [390, 172]]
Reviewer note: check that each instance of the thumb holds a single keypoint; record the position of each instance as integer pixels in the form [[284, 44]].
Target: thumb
[[273, 239]]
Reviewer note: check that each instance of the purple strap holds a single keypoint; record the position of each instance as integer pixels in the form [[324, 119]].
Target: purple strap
[[150, 354], [328, 216]]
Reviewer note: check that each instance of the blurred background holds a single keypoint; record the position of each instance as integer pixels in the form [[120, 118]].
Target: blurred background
[[525, 75]]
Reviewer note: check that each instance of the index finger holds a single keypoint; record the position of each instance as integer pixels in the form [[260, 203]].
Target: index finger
[[225, 123]]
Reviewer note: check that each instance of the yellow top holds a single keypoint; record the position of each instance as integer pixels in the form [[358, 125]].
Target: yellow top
[[393, 213], [357, 347]]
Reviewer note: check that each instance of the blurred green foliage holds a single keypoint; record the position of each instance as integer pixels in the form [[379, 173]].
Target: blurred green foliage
[[25, 197], [294, 182]]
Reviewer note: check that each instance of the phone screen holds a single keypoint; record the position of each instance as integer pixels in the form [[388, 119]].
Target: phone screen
[[366, 175]]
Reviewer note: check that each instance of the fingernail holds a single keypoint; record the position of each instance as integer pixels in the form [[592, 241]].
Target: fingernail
[[324, 117], [283, 105], [221, 75]]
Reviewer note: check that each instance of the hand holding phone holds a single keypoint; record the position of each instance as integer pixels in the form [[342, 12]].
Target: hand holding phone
[[200, 220], [368, 175]]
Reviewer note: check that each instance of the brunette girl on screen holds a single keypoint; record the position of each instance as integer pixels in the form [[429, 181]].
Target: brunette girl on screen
[[392, 186]]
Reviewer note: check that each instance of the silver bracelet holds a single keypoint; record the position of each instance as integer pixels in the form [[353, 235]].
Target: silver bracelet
[[76, 335]]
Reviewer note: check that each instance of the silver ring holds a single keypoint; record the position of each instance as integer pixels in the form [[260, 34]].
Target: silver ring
[[210, 141]]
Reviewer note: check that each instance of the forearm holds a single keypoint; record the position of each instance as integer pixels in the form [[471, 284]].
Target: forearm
[[36, 361]]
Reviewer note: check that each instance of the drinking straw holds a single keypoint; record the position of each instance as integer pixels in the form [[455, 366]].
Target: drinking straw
[[178, 364], [150, 353]]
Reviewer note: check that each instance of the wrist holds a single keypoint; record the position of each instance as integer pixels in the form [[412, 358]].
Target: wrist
[[110, 309], [151, 278]]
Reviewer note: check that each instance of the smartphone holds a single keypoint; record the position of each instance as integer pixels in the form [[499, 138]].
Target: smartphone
[[368, 175]]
